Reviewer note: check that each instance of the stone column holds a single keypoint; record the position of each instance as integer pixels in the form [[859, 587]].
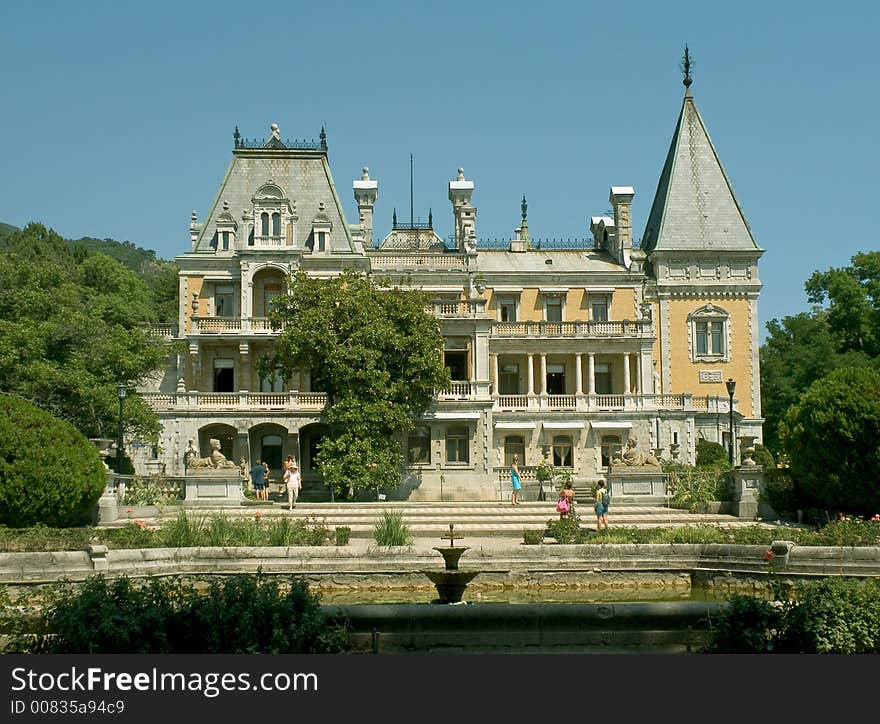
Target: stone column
[[543, 373], [591, 373], [531, 389], [626, 382], [495, 374], [578, 374]]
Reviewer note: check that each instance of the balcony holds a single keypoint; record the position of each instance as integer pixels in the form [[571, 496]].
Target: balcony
[[246, 401], [610, 403], [231, 325], [458, 310], [642, 328]]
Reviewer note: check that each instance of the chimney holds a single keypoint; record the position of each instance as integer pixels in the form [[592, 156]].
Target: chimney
[[465, 215], [621, 201], [366, 191]]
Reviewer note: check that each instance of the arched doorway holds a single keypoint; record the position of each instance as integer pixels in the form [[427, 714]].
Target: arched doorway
[[227, 436], [270, 443], [310, 439]]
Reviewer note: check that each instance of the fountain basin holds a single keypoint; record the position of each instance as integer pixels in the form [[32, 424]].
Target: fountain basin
[[450, 585], [451, 554]]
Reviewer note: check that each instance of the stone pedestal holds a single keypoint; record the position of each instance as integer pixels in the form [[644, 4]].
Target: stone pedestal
[[108, 503], [748, 481], [210, 489], [643, 483]]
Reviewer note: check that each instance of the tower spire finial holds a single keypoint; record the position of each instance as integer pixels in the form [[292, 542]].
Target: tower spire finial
[[524, 207], [686, 64]]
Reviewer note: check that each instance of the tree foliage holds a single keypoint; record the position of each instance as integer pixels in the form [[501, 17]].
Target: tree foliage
[[49, 473], [831, 437], [71, 330], [842, 330], [376, 352]]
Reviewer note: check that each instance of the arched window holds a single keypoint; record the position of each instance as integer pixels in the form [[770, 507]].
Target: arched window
[[562, 451], [514, 445], [457, 445], [264, 224]]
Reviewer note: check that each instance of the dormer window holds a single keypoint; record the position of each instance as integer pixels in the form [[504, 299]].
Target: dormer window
[[226, 228], [274, 217], [319, 239]]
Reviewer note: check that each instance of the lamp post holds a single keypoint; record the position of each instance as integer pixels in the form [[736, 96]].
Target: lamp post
[[731, 386], [120, 393]]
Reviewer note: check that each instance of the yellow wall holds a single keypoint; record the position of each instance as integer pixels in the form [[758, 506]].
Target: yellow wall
[[684, 375], [194, 285], [623, 304]]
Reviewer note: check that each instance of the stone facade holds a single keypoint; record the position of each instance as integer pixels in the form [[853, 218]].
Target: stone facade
[[561, 353]]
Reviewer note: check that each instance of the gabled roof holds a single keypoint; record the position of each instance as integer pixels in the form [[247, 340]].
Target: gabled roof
[[695, 208]]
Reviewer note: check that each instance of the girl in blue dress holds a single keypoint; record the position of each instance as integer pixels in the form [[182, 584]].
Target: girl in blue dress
[[514, 479]]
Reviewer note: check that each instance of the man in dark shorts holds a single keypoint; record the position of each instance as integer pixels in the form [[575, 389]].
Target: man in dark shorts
[[258, 479]]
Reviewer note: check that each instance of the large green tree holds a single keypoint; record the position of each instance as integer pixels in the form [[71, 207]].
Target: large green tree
[[377, 354], [71, 329], [842, 330], [831, 437]]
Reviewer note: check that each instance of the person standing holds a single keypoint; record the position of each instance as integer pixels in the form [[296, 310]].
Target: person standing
[[258, 480], [603, 499], [515, 481], [566, 500], [293, 480]]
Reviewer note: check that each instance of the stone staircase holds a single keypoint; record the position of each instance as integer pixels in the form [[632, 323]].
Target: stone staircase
[[471, 519]]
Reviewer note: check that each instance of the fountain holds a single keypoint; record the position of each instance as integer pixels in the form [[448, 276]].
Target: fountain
[[451, 582]]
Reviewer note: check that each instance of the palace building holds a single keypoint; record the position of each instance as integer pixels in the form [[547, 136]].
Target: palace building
[[563, 354]]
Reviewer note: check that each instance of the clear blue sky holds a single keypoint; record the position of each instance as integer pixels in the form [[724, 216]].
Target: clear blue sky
[[117, 117]]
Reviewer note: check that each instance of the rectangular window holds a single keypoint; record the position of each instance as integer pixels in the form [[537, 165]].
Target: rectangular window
[[599, 309], [506, 309], [555, 379], [553, 309], [322, 241], [223, 302], [224, 236], [224, 375], [562, 455], [710, 337], [508, 382], [457, 445], [457, 362], [603, 379], [418, 446], [514, 445]]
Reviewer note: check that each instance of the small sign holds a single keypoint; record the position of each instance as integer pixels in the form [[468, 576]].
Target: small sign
[[711, 376]]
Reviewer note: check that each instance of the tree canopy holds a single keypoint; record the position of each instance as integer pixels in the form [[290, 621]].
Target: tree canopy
[[831, 436], [842, 330], [377, 354], [71, 330]]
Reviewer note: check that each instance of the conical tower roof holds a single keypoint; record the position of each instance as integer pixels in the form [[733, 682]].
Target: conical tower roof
[[695, 208]]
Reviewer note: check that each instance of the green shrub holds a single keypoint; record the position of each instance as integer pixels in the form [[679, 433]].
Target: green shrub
[[532, 537], [566, 530], [183, 532], [692, 487], [747, 625], [711, 453], [42, 538], [390, 530], [343, 533], [764, 458], [834, 616], [133, 534], [49, 472], [242, 613]]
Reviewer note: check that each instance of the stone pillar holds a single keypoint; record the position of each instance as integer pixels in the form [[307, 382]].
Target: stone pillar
[[591, 373], [495, 374], [543, 373], [531, 367], [578, 374], [626, 381], [748, 481]]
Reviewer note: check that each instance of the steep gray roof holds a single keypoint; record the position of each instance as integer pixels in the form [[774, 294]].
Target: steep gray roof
[[695, 207]]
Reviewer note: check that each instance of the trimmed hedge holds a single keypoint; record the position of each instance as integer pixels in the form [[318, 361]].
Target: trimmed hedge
[[49, 473]]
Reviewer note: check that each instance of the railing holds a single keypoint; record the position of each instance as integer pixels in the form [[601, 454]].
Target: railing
[[586, 402], [458, 390], [302, 145], [457, 310], [423, 261], [638, 328], [238, 400], [165, 331], [512, 402], [231, 325], [271, 241]]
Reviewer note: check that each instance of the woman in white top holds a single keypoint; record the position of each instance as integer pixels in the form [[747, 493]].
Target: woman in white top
[[293, 480]]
